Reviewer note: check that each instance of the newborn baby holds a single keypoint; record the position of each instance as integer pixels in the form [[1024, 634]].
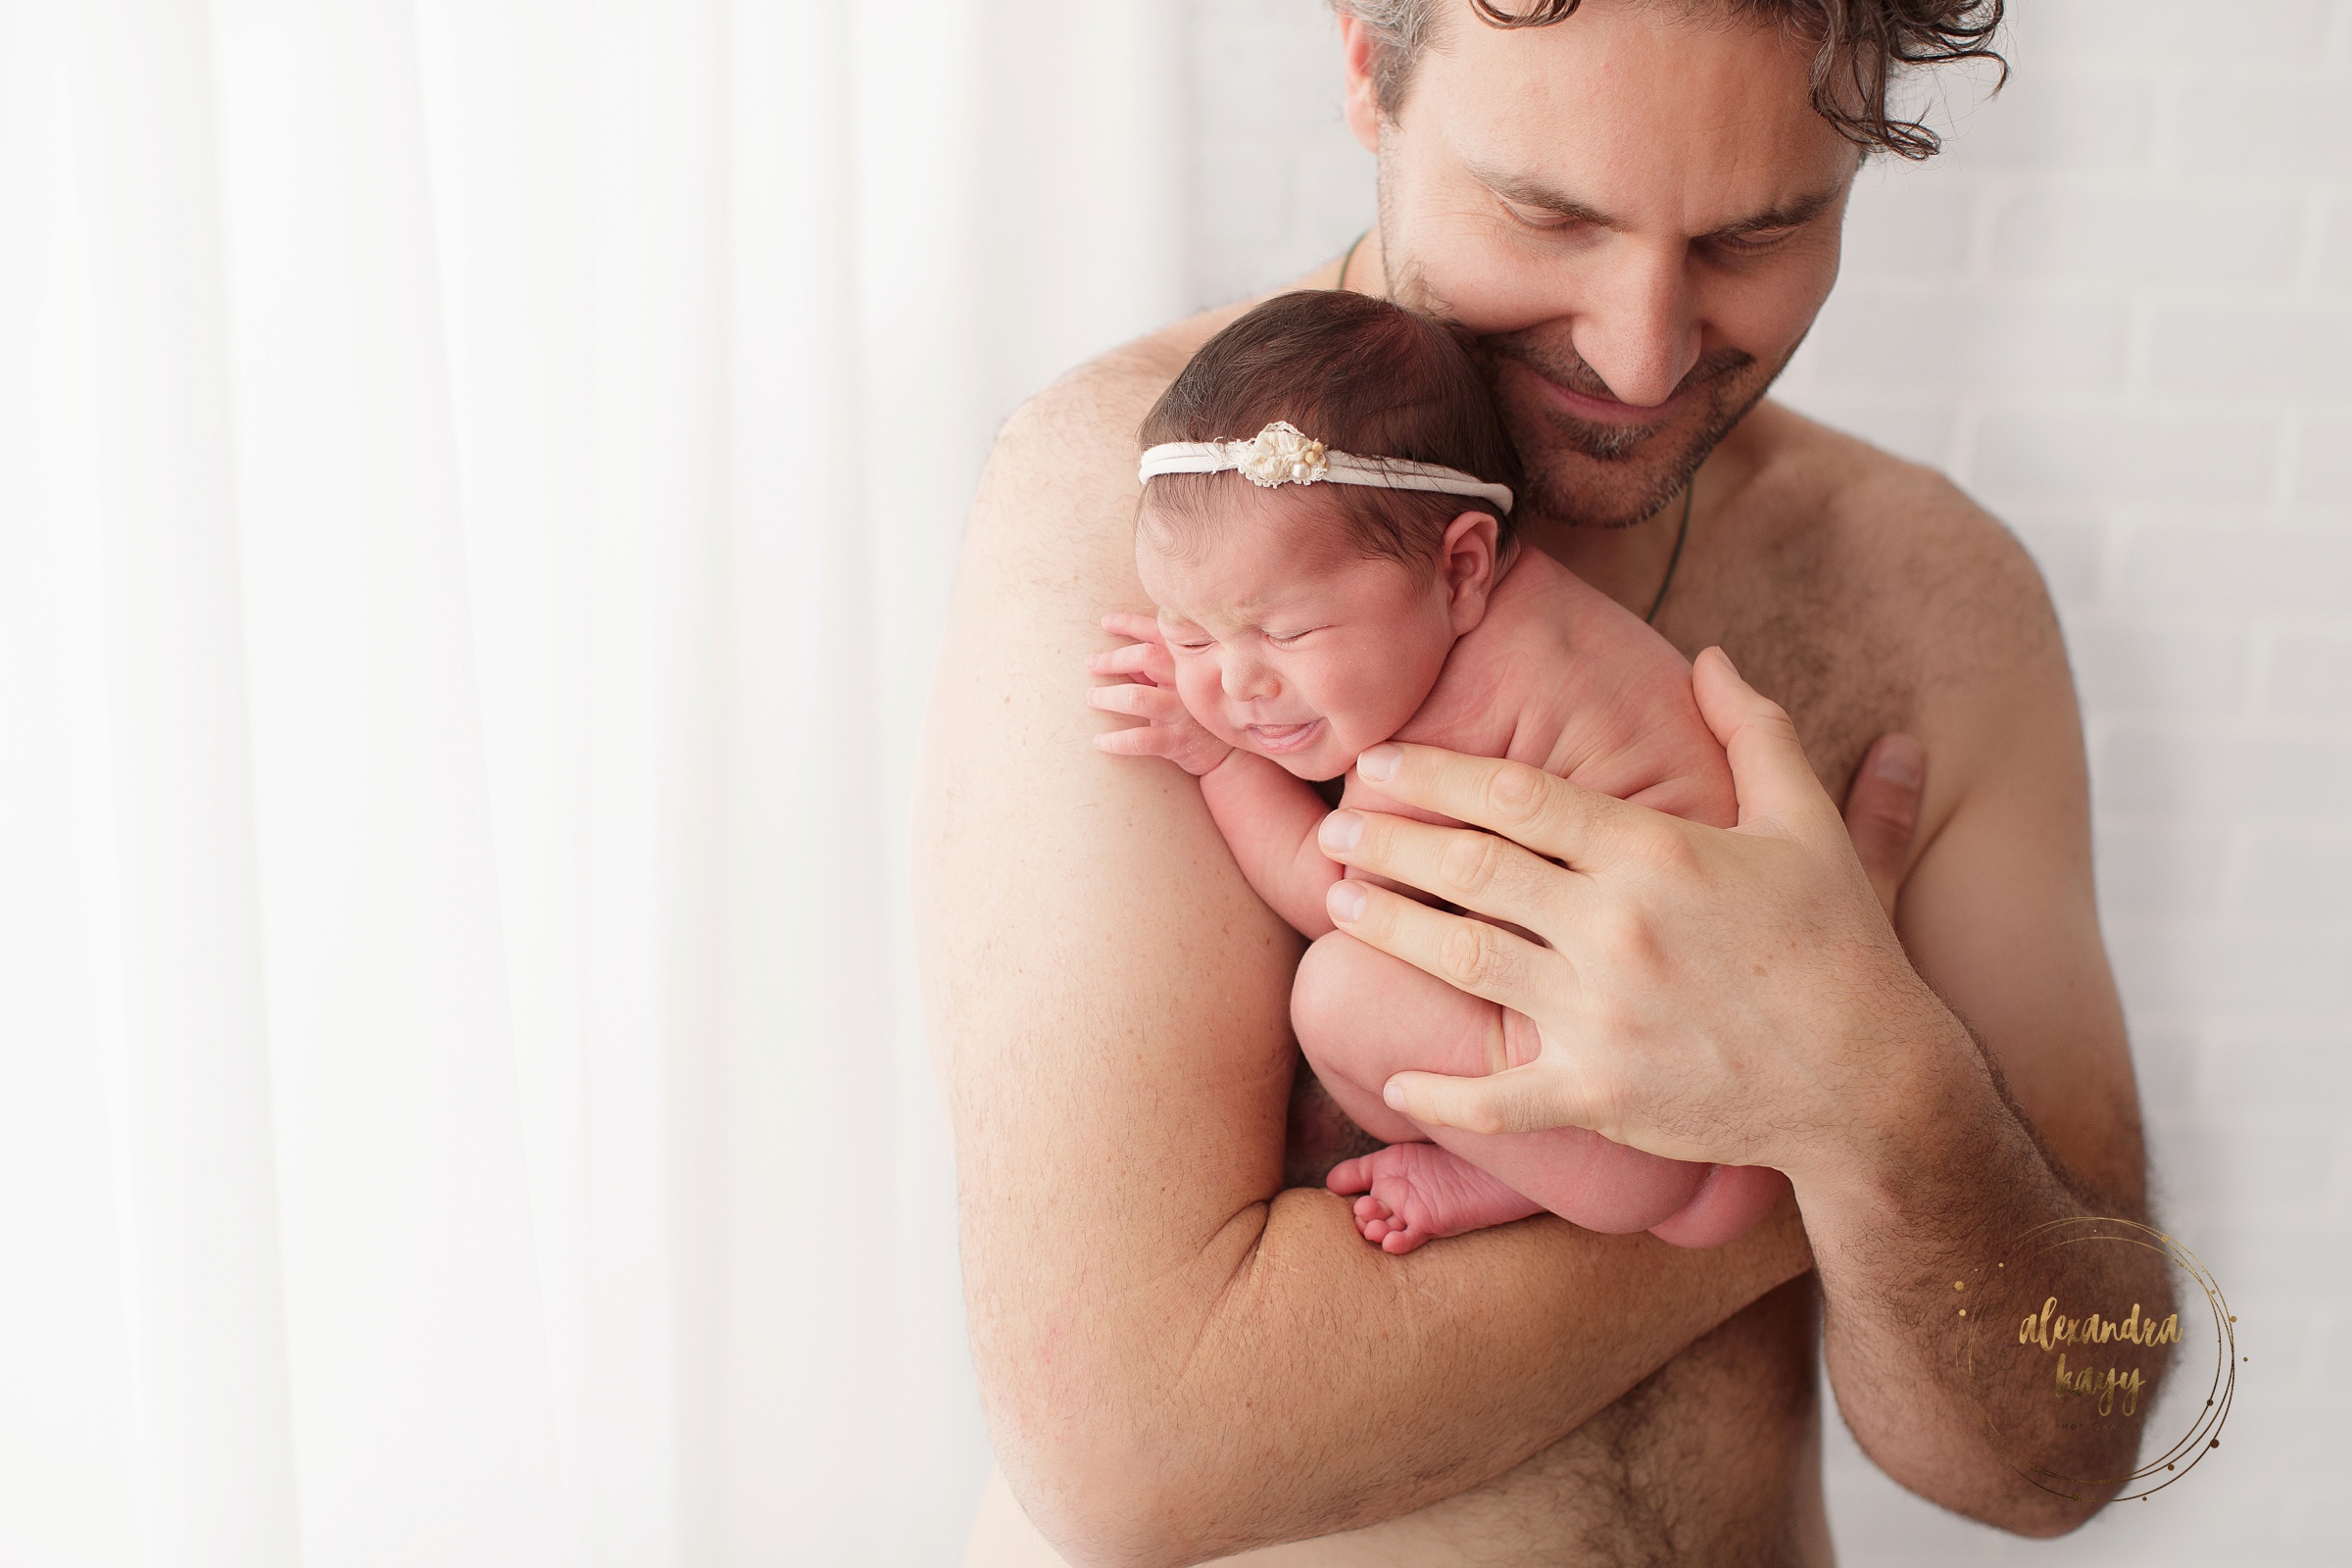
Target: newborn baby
[[1326, 531]]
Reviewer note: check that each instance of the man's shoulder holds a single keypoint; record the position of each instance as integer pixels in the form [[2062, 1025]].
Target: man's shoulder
[[1871, 594], [1057, 495], [1897, 542], [1095, 409]]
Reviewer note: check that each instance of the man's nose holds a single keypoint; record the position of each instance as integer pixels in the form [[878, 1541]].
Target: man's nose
[[1639, 328], [1247, 679]]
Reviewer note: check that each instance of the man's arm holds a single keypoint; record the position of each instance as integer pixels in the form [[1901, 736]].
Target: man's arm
[[1727, 996], [2032, 1117], [1179, 1359]]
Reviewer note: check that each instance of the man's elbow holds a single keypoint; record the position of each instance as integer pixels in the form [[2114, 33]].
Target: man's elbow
[[1985, 1485], [2013, 1503], [1111, 1495], [2049, 1516]]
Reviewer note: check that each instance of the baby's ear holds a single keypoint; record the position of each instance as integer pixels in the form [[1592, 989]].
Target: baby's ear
[[1466, 564]]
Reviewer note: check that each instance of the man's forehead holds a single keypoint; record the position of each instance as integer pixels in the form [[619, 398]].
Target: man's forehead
[[1635, 113]]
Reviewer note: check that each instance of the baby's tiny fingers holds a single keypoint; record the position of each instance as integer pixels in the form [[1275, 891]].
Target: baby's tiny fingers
[[1137, 701], [1143, 628], [1134, 659], [1143, 740]]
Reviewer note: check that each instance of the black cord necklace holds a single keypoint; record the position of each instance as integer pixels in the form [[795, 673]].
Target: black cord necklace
[[1681, 534], [1340, 288]]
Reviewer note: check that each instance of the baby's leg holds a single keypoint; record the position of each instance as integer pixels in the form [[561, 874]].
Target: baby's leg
[[1344, 991], [1726, 1204], [1360, 1016]]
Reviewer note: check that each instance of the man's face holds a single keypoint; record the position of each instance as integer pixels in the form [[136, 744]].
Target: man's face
[[1635, 210]]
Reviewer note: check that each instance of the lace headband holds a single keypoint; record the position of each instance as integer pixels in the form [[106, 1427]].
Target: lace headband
[[1283, 453]]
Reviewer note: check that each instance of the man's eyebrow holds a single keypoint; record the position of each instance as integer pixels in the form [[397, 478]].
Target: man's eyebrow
[[1531, 193], [1790, 214]]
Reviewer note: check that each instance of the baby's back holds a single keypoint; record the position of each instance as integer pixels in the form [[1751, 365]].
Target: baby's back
[[1561, 677]]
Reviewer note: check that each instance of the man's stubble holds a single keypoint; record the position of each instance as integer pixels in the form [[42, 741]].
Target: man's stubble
[[1584, 473]]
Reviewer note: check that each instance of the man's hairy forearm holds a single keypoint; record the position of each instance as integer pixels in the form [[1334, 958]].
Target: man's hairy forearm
[[1290, 1381], [1179, 1359], [1942, 1229], [1999, 919]]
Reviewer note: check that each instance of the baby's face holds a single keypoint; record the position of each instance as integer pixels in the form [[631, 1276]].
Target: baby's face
[[1289, 644]]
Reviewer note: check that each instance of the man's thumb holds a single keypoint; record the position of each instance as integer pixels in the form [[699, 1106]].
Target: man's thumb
[[1517, 1100], [1769, 771]]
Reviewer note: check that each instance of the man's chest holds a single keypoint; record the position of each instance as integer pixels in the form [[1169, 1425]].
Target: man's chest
[[1816, 642]]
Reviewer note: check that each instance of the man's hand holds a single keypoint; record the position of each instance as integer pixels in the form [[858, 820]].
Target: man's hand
[[1740, 996], [1736, 995], [1882, 812], [1168, 729]]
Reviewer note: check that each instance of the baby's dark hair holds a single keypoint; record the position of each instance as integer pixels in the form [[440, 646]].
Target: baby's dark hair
[[1360, 376]]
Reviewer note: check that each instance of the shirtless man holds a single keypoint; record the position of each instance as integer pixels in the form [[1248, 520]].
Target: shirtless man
[[1185, 1359]]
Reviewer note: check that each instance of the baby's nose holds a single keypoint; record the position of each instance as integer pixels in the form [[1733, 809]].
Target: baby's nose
[[1248, 679]]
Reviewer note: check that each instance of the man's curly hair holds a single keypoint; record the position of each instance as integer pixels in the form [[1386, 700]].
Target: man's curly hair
[[1860, 46]]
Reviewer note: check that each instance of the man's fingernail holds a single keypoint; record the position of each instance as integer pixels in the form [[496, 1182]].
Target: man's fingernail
[[1341, 830], [1899, 765], [1391, 1094], [1379, 764], [1344, 900]]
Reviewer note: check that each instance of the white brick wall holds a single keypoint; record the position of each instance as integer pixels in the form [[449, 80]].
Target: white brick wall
[[2119, 310]]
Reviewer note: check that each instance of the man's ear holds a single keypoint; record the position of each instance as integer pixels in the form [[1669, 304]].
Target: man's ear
[[1466, 564], [1357, 47]]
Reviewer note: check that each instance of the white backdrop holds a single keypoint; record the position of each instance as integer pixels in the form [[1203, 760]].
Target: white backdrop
[[477, 481], [477, 478], [2119, 310]]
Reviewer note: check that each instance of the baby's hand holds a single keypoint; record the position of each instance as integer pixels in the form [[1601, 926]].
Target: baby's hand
[[1167, 730]]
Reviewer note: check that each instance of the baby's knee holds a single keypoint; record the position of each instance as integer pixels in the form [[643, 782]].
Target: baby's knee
[[1365, 1016], [1327, 994]]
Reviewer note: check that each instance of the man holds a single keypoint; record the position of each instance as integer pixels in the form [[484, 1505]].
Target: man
[[1636, 208]]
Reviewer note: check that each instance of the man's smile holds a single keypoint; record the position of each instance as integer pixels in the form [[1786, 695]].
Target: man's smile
[[1604, 411], [1567, 382]]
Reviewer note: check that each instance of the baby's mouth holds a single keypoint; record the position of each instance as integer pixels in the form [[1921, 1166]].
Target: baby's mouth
[[1277, 738]]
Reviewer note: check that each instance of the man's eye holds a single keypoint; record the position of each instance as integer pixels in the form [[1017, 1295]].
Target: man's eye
[[1754, 242], [1542, 218]]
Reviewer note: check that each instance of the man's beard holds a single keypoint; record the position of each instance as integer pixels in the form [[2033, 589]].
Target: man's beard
[[1582, 474], [1589, 473]]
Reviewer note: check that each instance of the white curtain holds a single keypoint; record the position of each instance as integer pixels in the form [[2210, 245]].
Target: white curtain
[[478, 482]]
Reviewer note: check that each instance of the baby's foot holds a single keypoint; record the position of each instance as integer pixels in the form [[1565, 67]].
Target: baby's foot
[[1415, 1193]]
